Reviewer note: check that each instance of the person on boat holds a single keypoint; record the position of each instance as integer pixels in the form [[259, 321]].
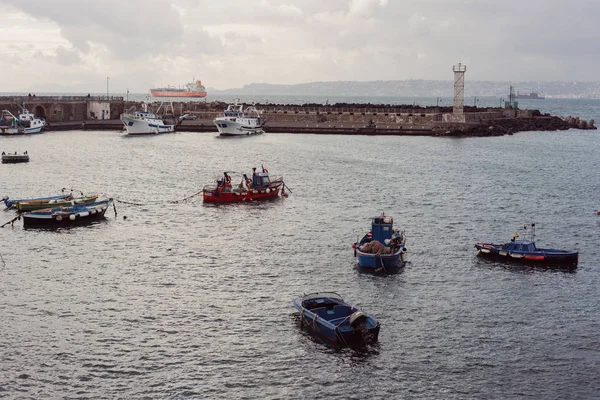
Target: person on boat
[[226, 179], [25, 152], [246, 182], [3, 153]]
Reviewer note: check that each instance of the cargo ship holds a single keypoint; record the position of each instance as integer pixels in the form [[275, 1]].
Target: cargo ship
[[192, 89], [532, 95]]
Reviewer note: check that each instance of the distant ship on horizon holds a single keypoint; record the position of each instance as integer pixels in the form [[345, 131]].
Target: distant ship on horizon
[[192, 89], [532, 95]]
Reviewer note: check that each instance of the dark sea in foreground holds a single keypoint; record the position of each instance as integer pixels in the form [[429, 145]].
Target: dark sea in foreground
[[184, 300]]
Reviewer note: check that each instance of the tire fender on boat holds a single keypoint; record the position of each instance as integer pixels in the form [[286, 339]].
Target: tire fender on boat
[[58, 218], [72, 217]]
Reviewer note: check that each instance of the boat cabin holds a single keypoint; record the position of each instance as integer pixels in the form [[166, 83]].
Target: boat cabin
[[520, 245], [234, 110], [260, 179], [382, 228]]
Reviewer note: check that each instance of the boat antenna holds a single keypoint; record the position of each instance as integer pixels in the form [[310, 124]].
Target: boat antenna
[[533, 232]]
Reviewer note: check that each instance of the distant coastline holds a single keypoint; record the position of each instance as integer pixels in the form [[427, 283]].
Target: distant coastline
[[411, 88], [418, 88]]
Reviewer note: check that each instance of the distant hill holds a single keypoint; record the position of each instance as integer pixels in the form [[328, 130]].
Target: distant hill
[[419, 88]]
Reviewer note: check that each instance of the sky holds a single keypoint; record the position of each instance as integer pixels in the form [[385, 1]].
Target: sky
[[74, 45]]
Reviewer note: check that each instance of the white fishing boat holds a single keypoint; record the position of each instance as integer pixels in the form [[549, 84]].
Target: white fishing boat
[[237, 121], [26, 123], [145, 122]]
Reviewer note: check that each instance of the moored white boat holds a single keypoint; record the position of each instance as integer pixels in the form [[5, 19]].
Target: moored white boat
[[237, 121], [26, 123], [145, 123]]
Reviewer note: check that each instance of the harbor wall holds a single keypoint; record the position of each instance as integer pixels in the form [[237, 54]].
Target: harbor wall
[[102, 112], [65, 108]]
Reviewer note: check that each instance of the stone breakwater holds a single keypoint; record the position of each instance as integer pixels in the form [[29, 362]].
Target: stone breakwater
[[101, 112]]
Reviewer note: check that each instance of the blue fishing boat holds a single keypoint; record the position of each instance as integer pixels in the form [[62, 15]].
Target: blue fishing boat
[[73, 215], [328, 316], [13, 203], [382, 247], [523, 250]]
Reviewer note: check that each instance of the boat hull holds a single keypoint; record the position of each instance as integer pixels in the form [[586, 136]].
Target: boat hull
[[20, 131], [12, 159], [67, 215], [378, 261], [328, 332], [176, 94], [135, 126], [541, 257], [238, 126], [330, 318], [214, 196]]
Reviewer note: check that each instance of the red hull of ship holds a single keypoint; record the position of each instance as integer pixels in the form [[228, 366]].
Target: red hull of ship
[[230, 197], [177, 94]]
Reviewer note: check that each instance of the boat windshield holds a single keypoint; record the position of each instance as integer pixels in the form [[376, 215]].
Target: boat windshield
[[525, 246], [323, 295]]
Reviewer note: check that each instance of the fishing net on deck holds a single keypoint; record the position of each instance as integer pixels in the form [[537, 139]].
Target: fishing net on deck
[[374, 247]]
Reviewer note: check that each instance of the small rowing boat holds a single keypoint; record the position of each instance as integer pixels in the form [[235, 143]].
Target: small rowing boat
[[73, 215], [328, 316]]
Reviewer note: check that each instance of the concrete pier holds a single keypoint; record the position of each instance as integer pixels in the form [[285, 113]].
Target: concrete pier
[[101, 112]]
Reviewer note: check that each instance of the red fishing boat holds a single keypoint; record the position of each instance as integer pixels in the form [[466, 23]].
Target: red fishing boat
[[261, 186]]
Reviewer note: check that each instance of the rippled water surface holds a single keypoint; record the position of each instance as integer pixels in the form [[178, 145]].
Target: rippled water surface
[[187, 300]]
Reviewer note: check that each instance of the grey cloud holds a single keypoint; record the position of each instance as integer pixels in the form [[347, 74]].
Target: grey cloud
[[288, 41], [128, 29], [67, 56]]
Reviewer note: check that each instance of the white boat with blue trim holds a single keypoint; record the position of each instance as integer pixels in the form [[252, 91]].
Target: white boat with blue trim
[[25, 124], [145, 123], [237, 121]]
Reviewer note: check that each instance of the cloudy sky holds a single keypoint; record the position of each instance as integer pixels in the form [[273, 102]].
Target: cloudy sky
[[73, 45]]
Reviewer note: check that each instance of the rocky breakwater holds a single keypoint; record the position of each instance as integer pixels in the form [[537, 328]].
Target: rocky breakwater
[[578, 123], [508, 126]]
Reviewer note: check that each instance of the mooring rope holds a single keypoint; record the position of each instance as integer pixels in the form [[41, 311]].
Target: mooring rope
[[186, 198], [12, 221], [168, 201], [129, 202]]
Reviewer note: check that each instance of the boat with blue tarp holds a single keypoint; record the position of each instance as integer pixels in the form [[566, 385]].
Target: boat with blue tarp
[[383, 247], [13, 203], [327, 315], [26, 206], [522, 249], [60, 216]]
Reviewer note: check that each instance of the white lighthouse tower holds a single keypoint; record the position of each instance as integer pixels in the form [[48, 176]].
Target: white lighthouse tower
[[459, 88]]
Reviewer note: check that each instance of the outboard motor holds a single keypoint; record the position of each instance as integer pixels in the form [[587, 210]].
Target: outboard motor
[[358, 322]]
